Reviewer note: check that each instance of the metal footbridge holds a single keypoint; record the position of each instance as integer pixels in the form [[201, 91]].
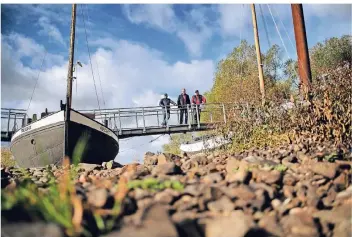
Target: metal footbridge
[[132, 122]]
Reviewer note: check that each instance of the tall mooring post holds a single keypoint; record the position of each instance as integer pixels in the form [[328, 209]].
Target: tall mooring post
[[259, 59], [305, 74]]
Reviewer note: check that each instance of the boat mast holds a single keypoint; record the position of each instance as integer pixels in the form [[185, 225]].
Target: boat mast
[[71, 58], [69, 81], [257, 47], [301, 46]]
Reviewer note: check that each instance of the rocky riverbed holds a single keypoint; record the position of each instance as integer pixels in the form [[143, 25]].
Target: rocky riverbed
[[301, 189]]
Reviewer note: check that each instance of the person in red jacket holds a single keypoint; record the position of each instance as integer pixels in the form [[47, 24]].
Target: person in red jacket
[[197, 100]]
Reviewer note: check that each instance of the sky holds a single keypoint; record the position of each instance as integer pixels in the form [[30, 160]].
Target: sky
[[139, 52]]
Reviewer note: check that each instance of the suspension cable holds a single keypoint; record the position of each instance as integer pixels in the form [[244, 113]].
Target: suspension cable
[[96, 61], [36, 81], [90, 60]]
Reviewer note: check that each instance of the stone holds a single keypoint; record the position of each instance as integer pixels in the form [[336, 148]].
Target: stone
[[222, 204], [195, 189], [164, 197], [241, 192], [164, 158], [299, 224], [97, 197], [269, 177], [341, 181], [328, 170], [232, 166], [289, 179], [336, 215], [88, 167], [213, 178], [241, 176], [343, 229], [155, 223], [150, 159], [276, 203], [166, 168], [186, 202], [271, 225], [236, 225], [36, 229]]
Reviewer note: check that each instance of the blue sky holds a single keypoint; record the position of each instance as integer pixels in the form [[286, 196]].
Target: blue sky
[[139, 51]]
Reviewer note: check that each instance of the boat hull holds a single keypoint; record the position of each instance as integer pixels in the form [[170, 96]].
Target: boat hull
[[43, 142]]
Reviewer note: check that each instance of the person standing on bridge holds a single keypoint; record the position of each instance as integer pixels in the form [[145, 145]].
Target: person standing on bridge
[[165, 104], [197, 101], [183, 101]]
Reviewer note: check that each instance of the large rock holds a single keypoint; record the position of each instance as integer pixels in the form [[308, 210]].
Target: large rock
[[236, 225], [271, 225], [326, 169], [156, 223], [166, 168], [222, 204], [150, 159], [299, 224]]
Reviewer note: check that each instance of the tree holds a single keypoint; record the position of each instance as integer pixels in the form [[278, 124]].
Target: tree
[[331, 53]]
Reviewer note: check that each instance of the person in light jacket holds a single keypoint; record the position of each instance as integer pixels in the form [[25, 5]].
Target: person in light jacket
[[197, 101]]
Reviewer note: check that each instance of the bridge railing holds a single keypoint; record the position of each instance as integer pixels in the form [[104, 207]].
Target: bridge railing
[[120, 119], [11, 120]]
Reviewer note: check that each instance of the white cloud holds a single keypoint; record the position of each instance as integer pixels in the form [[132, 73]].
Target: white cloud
[[233, 19], [131, 75], [155, 15], [193, 30], [50, 30]]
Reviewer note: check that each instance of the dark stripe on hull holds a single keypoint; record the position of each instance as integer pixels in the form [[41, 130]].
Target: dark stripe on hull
[[90, 145], [45, 145]]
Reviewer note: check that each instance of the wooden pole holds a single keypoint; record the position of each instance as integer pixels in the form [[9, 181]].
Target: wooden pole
[[71, 58], [301, 46], [257, 47]]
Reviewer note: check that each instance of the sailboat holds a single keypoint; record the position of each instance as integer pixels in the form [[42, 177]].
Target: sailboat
[[66, 133]]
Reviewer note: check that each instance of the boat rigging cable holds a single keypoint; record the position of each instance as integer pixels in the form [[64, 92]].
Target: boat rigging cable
[[265, 26], [283, 43], [36, 82], [289, 38], [90, 60], [96, 60]]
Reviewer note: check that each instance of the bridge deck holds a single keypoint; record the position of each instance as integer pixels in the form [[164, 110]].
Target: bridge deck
[[126, 133]]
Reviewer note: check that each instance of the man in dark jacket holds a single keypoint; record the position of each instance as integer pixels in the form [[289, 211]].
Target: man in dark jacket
[[165, 103], [182, 102]]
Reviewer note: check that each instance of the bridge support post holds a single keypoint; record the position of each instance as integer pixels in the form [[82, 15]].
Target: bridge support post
[[24, 120], [157, 118], [137, 119], [198, 117], [120, 127], [8, 123], [14, 123], [143, 120], [189, 117]]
